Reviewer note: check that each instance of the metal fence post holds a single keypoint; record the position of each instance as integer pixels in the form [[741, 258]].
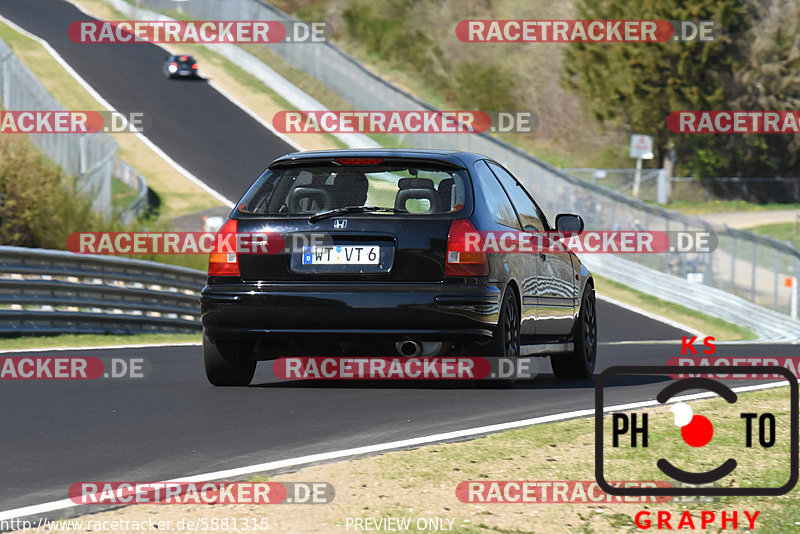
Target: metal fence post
[[753, 272], [5, 91], [734, 242], [775, 271]]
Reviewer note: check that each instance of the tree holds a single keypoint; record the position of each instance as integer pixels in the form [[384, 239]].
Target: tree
[[770, 81], [639, 84]]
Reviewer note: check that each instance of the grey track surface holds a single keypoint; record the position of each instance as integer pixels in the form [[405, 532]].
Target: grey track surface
[[188, 119], [173, 423]]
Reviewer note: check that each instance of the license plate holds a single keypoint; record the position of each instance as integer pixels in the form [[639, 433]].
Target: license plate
[[341, 255], [183, 72]]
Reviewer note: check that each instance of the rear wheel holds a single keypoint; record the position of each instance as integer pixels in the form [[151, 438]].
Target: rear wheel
[[227, 364], [505, 343], [581, 361]]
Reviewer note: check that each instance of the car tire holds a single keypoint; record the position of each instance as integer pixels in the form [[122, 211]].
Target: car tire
[[506, 340], [228, 365], [581, 361]]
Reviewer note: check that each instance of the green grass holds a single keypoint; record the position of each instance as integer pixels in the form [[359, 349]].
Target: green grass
[[121, 195], [92, 340], [712, 326], [782, 232], [564, 451]]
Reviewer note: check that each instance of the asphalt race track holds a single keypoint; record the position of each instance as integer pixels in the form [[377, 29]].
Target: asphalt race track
[[173, 423], [194, 124]]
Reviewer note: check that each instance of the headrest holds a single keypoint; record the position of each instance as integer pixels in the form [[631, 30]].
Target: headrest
[[415, 183]]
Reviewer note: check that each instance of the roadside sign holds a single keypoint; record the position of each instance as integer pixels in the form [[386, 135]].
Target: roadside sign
[[641, 146]]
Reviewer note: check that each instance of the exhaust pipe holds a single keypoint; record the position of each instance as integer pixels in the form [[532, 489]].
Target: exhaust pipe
[[408, 348], [412, 349]]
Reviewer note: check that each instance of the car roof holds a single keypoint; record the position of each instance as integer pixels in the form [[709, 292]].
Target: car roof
[[452, 157]]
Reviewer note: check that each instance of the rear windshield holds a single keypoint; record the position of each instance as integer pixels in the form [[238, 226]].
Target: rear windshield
[[183, 59], [304, 191]]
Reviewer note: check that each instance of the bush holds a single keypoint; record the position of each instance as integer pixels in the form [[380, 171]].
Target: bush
[[39, 204]]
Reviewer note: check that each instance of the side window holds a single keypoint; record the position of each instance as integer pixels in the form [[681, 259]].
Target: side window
[[529, 214], [496, 199]]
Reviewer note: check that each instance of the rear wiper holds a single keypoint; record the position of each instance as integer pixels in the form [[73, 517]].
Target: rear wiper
[[352, 209]]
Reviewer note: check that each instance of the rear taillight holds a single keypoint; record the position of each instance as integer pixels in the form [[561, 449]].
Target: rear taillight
[[194, 66], [461, 261], [224, 261]]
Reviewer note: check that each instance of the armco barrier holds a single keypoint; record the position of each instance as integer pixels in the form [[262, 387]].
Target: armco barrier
[[131, 177], [51, 292], [767, 324]]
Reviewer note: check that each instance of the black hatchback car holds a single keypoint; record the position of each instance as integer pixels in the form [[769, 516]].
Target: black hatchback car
[[180, 66], [371, 265]]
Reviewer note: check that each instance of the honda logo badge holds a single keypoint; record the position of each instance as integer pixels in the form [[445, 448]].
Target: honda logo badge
[[340, 224]]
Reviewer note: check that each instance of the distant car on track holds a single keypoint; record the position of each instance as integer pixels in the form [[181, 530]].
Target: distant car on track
[[181, 66], [389, 279]]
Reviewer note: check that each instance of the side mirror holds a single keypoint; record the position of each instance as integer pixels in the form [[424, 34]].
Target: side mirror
[[567, 222]]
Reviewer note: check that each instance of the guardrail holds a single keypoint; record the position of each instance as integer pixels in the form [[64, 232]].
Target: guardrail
[[768, 325], [133, 179], [55, 292]]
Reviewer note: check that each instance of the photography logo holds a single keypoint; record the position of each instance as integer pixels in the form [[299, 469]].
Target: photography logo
[[697, 453]]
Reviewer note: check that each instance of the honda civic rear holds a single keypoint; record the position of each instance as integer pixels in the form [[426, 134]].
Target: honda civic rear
[[362, 264], [363, 252]]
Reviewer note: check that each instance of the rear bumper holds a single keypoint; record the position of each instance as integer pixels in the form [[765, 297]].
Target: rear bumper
[[357, 312]]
